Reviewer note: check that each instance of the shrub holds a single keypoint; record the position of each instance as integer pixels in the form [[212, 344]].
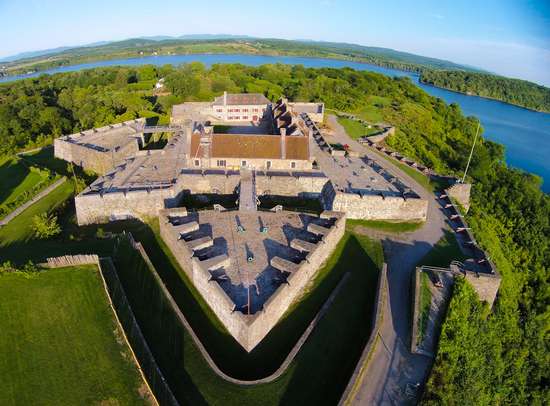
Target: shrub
[[45, 226]]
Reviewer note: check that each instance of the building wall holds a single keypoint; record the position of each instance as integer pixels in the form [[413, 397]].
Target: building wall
[[226, 115], [261, 164]]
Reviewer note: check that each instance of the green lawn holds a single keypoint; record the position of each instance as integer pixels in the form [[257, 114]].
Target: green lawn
[[59, 344], [322, 368], [390, 226], [355, 129]]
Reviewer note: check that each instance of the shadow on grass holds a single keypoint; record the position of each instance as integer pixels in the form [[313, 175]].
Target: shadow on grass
[[329, 356], [223, 348], [12, 173]]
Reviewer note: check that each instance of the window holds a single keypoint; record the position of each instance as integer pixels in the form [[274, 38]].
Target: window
[[236, 110], [221, 162], [243, 164], [245, 117], [197, 162], [255, 110], [237, 118], [293, 165], [245, 110], [219, 110], [268, 164]]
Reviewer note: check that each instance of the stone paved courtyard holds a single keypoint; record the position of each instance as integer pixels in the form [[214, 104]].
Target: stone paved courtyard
[[251, 240]]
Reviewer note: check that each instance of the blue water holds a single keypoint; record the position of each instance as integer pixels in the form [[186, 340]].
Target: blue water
[[524, 133]]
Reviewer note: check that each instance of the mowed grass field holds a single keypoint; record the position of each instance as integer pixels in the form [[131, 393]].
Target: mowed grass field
[[15, 179], [59, 344]]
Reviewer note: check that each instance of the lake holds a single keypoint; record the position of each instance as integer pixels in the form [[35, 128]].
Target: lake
[[524, 133]]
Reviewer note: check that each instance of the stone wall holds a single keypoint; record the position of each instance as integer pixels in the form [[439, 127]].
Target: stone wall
[[248, 330], [375, 207], [461, 193], [286, 294], [95, 207], [485, 285], [378, 314], [90, 159], [309, 186], [101, 207]]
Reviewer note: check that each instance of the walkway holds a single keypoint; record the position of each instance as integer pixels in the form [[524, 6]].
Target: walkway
[[392, 365], [247, 191], [29, 203]]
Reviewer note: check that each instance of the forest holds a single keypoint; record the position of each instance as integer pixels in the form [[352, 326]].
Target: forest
[[485, 357], [513, 91]]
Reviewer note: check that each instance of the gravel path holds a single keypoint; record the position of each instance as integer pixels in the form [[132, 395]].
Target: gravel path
[[392, 365]]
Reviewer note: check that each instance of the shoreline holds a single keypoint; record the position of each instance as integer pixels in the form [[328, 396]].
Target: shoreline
[[21, 76], [483, 97]]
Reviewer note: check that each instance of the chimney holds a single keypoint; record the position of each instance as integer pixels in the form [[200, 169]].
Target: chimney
[[283, 142], [225, 98], [188, 137]]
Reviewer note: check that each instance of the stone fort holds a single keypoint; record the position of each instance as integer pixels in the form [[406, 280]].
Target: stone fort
[[249, 263]]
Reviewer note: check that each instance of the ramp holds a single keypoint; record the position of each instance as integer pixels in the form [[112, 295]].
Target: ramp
[[247, 191]]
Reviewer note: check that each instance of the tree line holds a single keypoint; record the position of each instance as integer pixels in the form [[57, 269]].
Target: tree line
[[514, 91]]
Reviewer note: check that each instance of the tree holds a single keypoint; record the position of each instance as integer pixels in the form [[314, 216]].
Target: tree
[[45, 226]]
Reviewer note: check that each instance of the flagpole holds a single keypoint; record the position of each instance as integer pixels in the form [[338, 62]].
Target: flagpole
[[471, 153]]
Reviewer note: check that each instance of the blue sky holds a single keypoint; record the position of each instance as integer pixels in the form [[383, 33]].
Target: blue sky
[[507, 37]]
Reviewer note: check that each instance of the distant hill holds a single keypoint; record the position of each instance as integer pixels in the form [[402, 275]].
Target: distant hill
[[376, 55], [34, 54]]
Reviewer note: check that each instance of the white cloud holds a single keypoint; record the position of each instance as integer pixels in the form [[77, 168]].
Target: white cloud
[[437, 16]]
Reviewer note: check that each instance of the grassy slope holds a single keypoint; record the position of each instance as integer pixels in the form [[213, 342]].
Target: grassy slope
[[20, 228], [59, 344], [322, 368], [395, 227], [443, 252], [16, 178], [425, 303], [355, 129]]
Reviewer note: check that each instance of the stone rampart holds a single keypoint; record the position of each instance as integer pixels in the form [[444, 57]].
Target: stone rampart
[[102, 207], [286, 294], [461, 193], [375, 206], [96, 160], [248, 330], [485, 285], [308, 186]]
